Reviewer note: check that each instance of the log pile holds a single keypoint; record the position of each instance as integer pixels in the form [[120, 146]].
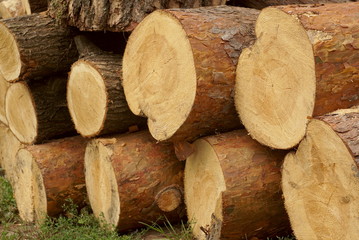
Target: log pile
[[241, 140]]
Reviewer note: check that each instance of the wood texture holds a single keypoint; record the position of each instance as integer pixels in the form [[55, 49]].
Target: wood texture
[[138, 171], [12, 8], [42, 48], [249, 205], [260, 4]]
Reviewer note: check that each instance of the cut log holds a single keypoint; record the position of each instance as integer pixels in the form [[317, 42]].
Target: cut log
[[47, 176], [37, 111], [260, 4], [179, 69], [115, 16], [95, 96], [34, 46], [321, 182], [305, 59], [4, 85], [132, 179], [233, 189], [12, 8]]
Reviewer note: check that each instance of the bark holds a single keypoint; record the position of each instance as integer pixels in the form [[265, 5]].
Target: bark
[[90, 117], [60, 177], [239, 209], [36, 6], [260, 4], [139, 180], [37, 111], [215, 38], [42, 48], [115, 16]]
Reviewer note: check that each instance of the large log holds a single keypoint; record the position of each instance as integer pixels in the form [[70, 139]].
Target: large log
[[95, 96], [321, 180], [47, 175], [260, 4], [304, 63], [233, 189], [132, 179], [179, 69], [4, 85], [115, 16], [34, 46], [37, 111]]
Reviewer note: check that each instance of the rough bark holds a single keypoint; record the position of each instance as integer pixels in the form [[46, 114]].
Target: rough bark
[[12, 8], [260, 4], [305, 62], [96, 100], [232, 188], [56, 175], [197, 70], [131, 179], [37, 111], [36, 6], [33, 47], [115, 16]]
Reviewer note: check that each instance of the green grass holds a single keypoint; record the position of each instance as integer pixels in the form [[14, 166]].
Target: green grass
[[76, 224]]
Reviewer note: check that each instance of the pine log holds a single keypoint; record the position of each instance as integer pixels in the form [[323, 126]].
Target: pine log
[[233, 189], [37, 111], [12, 8], [47, 176], [131, 179], [321, 180], [305, 62], [179, 69], [260, 4], [115, 16], [4, 85], [34, 46], [95, 96]]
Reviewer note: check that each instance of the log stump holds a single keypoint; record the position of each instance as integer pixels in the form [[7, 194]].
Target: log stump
[[179, 69], [47, 175], [131, 179], [37, 111], [321, 180], [34, 46], [95, 96], [233, 190], [304, 62]]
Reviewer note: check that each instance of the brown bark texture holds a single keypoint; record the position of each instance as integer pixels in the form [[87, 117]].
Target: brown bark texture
[[45, 48], [334, 32], [37, 6], [61, 163], [259, 4], [115, 16], [252, 203], [144, 169], [118, 115], [53, 117], [346, 125], [217, 37]]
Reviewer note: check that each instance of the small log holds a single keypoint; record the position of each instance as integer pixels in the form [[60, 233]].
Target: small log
[[47, 176], [132, 179], [305, 63], [37, 111], [12, 8], [4, 85], [232, 189], [95, 96], [260, 4], [115, 16], [34, 46], [179, 69]]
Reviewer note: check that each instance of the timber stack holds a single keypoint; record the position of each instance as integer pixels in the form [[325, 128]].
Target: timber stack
[[242, 119]]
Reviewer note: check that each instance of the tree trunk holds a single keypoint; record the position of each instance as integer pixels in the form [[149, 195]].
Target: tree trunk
[[34, 46], [47, 176], [305, 60], [4, 85], [12, 8], [260, 4], [95, 96], [132, 179], [37, 111], [232, 188], [115, 16], [321, 180], [179, 69]]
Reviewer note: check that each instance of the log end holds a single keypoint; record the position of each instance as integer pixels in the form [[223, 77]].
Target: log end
[[321, 186], [101, 183], [20, 112], [169, 198], [204, 183], [10, 64], [159, 76], [86, 98], [4, 85], [275, 81]]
